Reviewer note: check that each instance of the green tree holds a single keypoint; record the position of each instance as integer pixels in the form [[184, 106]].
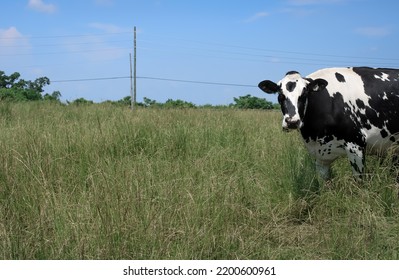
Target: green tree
[[13, 88], [38, 84], [127, 100], [8, 81], [252, 102], [81, 101], [170, 103], [55, 96], [149, 102]]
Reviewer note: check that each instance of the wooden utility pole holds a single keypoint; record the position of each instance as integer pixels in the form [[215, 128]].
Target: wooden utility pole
[[135, 73], [131, 82]]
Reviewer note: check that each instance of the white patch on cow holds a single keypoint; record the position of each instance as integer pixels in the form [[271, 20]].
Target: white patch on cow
[[385, 97], [383, 77], [376, 144], [326, 152], [363, 112], [351, 90]]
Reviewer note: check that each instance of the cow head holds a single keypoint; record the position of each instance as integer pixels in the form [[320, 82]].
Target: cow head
[[293, 92]]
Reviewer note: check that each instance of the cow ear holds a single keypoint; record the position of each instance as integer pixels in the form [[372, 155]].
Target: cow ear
[[317, 85], [269, 86]]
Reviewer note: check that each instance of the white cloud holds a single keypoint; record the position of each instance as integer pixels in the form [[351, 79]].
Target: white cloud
[[12, 45], [11, 37], [106, 51], [40, 6], [373, 31], [103, 50], [257, 16]]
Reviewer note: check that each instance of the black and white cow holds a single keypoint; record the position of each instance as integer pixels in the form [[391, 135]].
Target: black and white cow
[[341, 111]]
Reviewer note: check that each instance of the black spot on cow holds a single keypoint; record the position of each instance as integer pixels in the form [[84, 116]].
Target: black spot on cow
[[328, 118], [355, 166], [340, 77], [291, 86], [384, 133], [328, 138], [360, 104], [291, 73], [288, 108], [372, 116]]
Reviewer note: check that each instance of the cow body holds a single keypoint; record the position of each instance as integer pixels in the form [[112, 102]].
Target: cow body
[[341, 111]]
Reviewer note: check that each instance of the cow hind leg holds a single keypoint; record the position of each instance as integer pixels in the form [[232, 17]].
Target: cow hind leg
[[356, 156]]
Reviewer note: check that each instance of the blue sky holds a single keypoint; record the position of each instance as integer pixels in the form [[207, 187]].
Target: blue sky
[[229, 42]]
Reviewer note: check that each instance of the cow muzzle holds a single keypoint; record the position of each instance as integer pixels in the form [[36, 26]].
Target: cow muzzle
[[289, 124]]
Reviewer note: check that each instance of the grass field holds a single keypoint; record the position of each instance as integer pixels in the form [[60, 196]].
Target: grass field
[[102, 182]]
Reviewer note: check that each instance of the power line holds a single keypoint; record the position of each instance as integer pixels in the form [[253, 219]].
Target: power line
[[276, 58], [65, 44], [64, 36], [194, 48], [67, 52], [90, 79], [155, 78], [214, 47], [196, 82], [208, 49], [263, 49]]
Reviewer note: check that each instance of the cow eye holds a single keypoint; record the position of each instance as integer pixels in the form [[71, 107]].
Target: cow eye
[[281, 98]]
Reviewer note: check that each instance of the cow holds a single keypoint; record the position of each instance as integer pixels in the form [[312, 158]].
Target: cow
[[341, 111]]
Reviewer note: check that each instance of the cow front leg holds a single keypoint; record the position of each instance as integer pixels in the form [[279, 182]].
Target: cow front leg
[[356, 156], [324, 169]]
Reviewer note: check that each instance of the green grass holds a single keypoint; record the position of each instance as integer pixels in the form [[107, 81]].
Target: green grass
[[102, 182]]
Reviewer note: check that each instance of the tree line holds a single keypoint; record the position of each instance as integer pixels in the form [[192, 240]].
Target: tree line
[[241, 102], [15, 89]]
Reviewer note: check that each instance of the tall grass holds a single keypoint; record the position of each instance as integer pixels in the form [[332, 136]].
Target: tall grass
[[102, 182]]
